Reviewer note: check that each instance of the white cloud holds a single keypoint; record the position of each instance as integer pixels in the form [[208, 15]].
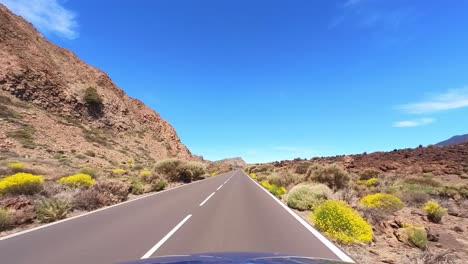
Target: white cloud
[[452, 99], [49, 16], [414, 123]]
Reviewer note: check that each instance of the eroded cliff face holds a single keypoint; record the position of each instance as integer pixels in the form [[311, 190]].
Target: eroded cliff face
[[44, 85]]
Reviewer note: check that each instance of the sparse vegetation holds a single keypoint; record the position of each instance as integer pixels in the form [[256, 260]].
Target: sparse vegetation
[[434, 211], [90, 153], [369, 174], [89, 171], [101, 194], [372, 182], [137, 186], [78, 180], [21, 183], [24, 135], [95, 136], [5, 219], [52, 209], [307, 196], [118, 172], [341, 222], [16, 166]]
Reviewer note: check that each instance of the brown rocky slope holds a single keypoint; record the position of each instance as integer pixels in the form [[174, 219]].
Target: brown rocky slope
[[44, 113]]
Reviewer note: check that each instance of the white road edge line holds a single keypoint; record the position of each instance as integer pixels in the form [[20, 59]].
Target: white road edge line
[[220, 187], [165, 238], [338, 252], [207, 199], [98, 210]]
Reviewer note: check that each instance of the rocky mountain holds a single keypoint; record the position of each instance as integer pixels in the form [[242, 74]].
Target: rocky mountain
[[454, 140], [234, 162], [448, 160], [54, 105]]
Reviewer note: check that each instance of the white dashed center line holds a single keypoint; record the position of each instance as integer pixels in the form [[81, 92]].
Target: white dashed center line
[[207, 199], [220, 187]]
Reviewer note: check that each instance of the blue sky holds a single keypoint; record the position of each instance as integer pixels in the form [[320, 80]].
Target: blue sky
[[270, 80]]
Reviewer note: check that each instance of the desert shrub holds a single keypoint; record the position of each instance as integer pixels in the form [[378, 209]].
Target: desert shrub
[[369, 174], [277, 191], [302, 167], [304, 197], [118, 172], [16, 166], [90, 153], [5, 219], [92, 97], [415, 197], [6, 112], [382, 202], [145, 173], [180, 170], [77, 180], [341, 222], [253, 176], [95, 136], [89, 171], [101, 194], [417, 237], [332, 176], [372, 182], [159, 185], [52, 209], [287, 178], [434, 211], [24, 135], [425, 181], [266, 185], [21, 183], [264, 168], [137, 186]]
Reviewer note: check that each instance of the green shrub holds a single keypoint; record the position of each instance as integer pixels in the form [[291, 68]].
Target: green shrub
[[24, 135], [383, 202], [302, 167], [7, 113], [425, 181], [417, 237], [21, 183], [304, 197], [434, 211], [284, 178], [341, 222], [137, 186], [369, 174], [160, 185], [90, 153], [92, 97], [332, 176], [77, 180], [415, 197], [89, 171], [180, 170], [52, 209], [5, 219]]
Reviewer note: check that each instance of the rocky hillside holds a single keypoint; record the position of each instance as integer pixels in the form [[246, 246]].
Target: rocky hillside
[[454, 140], [435, 160], [54, 105]]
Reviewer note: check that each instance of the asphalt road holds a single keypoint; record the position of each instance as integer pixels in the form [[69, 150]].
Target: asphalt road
[[228, 213]]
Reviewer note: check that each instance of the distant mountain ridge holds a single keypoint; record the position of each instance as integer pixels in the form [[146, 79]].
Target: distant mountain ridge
[[453, 140]]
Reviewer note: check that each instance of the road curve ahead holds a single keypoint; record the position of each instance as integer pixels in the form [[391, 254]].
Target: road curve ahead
[[226, 213]]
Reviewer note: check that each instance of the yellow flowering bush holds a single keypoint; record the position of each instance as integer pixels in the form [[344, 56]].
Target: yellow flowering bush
[[341, 222], [16, 165], [372, 182], [77, 180], [382, 201], [434, 211], [266, 185], [253, 176], [145, 173], [118, 171], [21, 183]]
